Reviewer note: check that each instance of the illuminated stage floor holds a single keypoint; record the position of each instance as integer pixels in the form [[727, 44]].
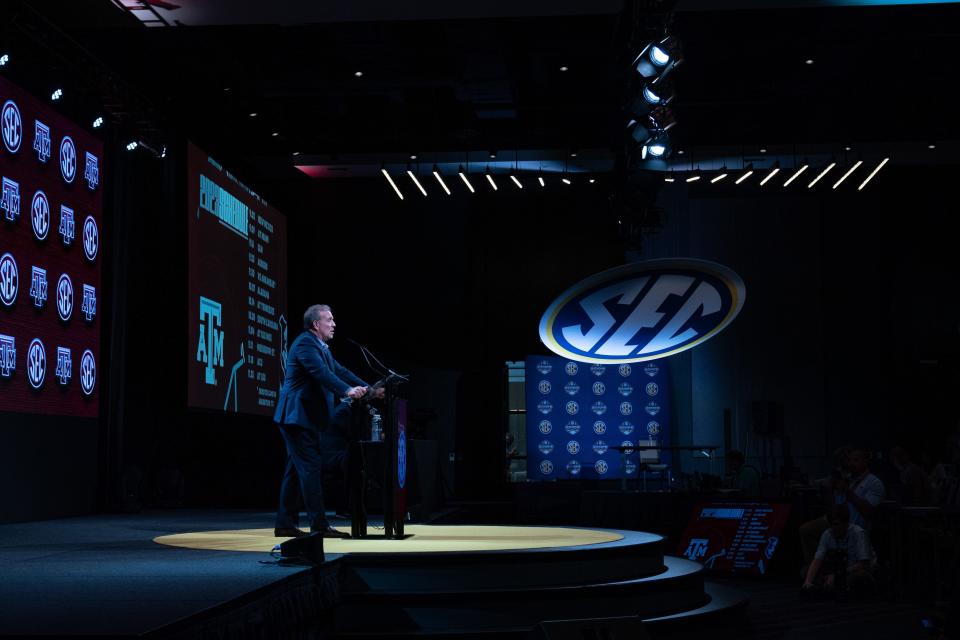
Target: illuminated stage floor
[[420, 539]]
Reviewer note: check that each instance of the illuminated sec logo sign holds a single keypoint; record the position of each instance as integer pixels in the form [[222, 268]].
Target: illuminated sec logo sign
[[9, 280], [91, 239], [64, 297], [68, 159], [88, 372], [36, 363], [40, 215], [642, 311], [12, 126]]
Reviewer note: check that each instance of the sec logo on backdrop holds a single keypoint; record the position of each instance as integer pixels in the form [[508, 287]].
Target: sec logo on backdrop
[[642, 311]]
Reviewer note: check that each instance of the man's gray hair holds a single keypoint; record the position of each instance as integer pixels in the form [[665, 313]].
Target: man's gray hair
[[312, 314]]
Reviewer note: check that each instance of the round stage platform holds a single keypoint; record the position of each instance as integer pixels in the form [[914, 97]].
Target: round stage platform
[[498, 578], [420, 539]]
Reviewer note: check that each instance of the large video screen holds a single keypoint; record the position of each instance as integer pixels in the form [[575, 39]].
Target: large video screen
[[734, 537], [237, 322], [50, 255]]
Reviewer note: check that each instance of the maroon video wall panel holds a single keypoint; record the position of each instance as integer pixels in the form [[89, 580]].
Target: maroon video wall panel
[[50, 259]]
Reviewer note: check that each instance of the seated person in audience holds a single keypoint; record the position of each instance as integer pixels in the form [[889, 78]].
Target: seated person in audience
[[844, 559], [914, 489], [741, 476], [811, 530], [861, 492]]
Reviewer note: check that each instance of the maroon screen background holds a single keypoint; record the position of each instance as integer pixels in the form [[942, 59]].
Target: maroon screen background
[[23, 321], [219, 269]]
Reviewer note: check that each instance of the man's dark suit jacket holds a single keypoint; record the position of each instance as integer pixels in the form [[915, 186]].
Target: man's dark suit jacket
[[312, 383]]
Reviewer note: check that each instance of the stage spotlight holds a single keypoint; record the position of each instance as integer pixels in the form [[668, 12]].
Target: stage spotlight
[[822, 173], [747, 174], [466, 181], [650, 99], [656, 60], [131, 145], [847, 174], [516, 182], [657, 148], [4, 59], [393, 184], [773, 172], [97, 122], [872, 173], [794, 176], [416, 182], [723, 174], [56, 95], [436, 174], [490, 179]]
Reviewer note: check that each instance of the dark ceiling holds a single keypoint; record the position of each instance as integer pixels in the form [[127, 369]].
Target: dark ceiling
[[879, 75]]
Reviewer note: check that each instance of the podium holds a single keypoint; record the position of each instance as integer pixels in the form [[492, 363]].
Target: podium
[[394, 478]]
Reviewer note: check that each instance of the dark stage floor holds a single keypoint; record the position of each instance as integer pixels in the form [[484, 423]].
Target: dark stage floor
[[105, 575]]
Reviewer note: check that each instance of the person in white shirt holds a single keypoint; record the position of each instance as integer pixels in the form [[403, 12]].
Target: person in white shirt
[[844, 557]]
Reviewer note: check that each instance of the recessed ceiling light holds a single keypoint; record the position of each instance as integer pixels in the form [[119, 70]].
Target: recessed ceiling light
[[809, 61], [358, 74], [848, 148], [253, 114], [413, 156], [931, 146], [680, 152], [275, 134], [564, 68], [296, 153], [763, 150]]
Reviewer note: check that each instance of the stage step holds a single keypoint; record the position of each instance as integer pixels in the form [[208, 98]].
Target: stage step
[[668, 596]]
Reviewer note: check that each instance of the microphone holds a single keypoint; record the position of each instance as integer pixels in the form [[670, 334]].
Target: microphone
[[390, 373]]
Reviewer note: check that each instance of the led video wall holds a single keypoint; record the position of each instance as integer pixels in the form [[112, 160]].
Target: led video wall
[[50, 257], [237, 292]]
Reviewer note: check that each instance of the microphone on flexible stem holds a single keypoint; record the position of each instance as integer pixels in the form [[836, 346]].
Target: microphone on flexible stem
[[366, 352]]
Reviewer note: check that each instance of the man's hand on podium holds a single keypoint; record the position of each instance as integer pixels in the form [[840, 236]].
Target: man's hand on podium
[[356, 392]]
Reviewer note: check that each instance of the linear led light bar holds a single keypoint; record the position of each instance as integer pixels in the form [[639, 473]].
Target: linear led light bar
[[516, 182], [794, 176], [851, 170], [872, 173], [490, 180], [542, 183], [744, 176], [693, 178], [822, 173], [718, 178], [392, 183], [463, 177], [416, 182], [443, 184], [775, 171]]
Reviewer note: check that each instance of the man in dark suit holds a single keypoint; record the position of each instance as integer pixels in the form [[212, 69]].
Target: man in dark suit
[[314, 381]]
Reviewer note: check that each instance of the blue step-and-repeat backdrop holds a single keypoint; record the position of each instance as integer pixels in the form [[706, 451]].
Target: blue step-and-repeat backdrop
[[577, 411]]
